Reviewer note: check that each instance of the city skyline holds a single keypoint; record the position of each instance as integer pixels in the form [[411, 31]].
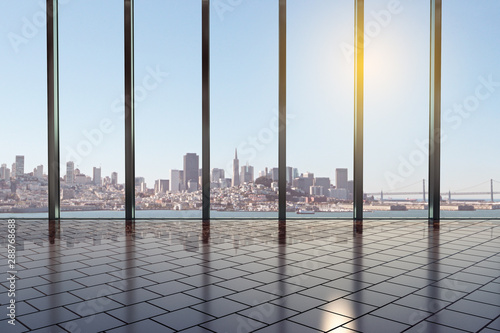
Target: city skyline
[[340, 181], [319, 95]]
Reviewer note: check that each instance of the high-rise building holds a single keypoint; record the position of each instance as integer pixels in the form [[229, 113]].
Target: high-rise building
[[324, 182], [175, 181], [350, 186], [38, 172], [161, 185], [236, 167], [246, 175], [191, 166], [19, 165], [7, 174], [192, 186], [97, 176], [295, 173], [217, 174], [289, 175], [114, 178], [139, 181], [13, 170], [341, 178], [303, 183], [70, 172], [308, 175], [3, 168], [316, 190], [275, 174]]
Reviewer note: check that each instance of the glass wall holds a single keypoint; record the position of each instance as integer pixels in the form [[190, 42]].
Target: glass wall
[[91, 53], [23, 73], [470, 109], [396, 106], [244, 109], [320, 95], [168, 108]]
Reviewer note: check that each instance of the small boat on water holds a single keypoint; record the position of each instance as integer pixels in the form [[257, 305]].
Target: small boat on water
[[304, 211]]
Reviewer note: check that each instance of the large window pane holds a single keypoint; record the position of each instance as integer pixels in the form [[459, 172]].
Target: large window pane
[[23, 73], [168, 108], [244, 109], [470, 109], [320, 108], [91, 108], [396, 108]]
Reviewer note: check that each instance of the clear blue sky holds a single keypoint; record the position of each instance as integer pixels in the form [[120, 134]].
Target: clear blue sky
[[244, 87]]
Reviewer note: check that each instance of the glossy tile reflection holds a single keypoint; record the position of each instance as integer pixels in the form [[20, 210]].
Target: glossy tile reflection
[[256, 276]]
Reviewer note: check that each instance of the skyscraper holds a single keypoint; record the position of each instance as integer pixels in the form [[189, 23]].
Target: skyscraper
[[236, 167], [175, 180], [161, 185], [114, 178], [191, 166], [289, 175], [19, 165], [246, 175], [97, 176], [324, 182], [275, 174], [341, 178], [217, 174], [38, 172], [3, 168], [70, 172]]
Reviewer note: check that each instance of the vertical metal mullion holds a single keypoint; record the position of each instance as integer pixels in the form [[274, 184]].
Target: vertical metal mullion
[[282, 112], [53, 110], [358, 108], [129, 111], [205, 60], [435, 112]]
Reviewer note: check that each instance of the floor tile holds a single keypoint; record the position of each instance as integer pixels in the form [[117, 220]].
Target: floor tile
[[373, 324], [136, 312], [268, 313], [183, 318], [348, 308], [320, 319], [288, 327], [233, 323], [458, 320], [94, 323], [219, 307]]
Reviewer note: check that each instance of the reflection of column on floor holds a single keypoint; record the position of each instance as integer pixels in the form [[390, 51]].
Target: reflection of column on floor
[[282, 232], [357, 227], [205, 234], [54, 231]]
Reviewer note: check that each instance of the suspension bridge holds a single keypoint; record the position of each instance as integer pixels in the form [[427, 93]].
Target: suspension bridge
[[424, 193]]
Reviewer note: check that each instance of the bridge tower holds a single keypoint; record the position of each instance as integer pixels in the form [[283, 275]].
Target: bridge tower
[[423, 191], [381, 196], [491, 180], [449, 196]]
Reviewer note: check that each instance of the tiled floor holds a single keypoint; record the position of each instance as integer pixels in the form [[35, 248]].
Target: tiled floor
[[246, 276]]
